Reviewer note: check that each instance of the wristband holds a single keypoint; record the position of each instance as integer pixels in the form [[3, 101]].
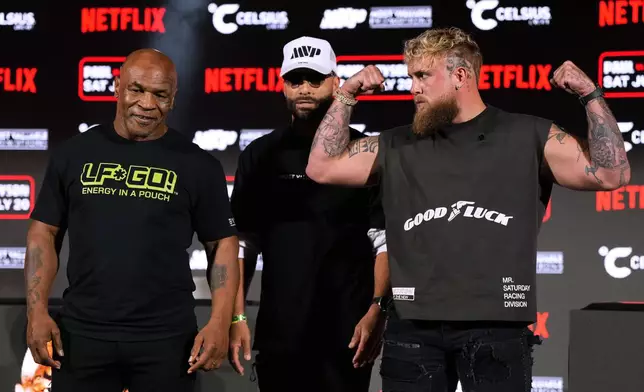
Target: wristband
[[239, 318], [344, 99], [598, 92]]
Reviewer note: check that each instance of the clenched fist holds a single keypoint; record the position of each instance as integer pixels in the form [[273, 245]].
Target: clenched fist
[[572, 79], [367, 81]]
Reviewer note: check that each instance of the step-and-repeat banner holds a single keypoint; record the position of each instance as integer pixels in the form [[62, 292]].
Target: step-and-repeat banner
[[60, 59]]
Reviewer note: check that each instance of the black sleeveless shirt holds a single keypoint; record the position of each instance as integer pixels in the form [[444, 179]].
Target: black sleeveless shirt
[[463, 210]]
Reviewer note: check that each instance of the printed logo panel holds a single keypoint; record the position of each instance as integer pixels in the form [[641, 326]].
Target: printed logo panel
[[616, 13], [620, 261], [12, 258], [113, 179], [18, 21], [96, 78], [18, 80], [227, 18], [100, 20], [17, 196], [621, 74], [488, 14], [23, 139], [397, 81]]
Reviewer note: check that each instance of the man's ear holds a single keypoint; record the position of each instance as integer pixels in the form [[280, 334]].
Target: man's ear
[[117, 84]]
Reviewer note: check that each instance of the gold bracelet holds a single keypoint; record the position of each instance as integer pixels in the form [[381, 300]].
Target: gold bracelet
[[239, 318], [344, 99]]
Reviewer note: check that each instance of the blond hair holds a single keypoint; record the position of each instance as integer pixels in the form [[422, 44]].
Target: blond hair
[[446, 42]]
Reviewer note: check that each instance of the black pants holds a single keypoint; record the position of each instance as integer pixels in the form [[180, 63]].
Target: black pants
[[103, 366], [423, 356], [309, 372]]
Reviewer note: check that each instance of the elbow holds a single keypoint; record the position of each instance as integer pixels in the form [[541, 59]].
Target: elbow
[[317, 172], [618, 179]]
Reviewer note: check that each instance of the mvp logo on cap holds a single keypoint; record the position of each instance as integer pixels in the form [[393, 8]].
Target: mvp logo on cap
[[310, 53]]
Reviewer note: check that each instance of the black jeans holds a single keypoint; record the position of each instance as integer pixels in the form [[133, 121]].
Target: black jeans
[[104, 366], [421, 356], [311, 372]]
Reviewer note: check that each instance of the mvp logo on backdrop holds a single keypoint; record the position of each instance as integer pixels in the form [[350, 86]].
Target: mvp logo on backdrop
[[487, 14], [621, 74], [149, 20], [621, 12], [17, 196], [271, 20], [96, 78], [620, 262], [343, 18], [133, 181]]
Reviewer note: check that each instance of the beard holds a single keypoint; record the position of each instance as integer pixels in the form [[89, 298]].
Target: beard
[[317, 112], [429, 118]]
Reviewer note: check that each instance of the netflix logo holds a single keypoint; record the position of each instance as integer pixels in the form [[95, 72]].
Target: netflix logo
[[621, 12], [629, 197], [522, 77], [97, 20], [18, 80], [225, 80]]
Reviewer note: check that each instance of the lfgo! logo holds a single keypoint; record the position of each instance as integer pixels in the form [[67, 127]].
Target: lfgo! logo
[[96, 78], [612, 256]]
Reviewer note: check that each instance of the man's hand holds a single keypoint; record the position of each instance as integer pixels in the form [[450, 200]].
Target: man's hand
[[368, 337], [367, 81], [239, 338], [42, 329], [210, 347], [572, 79]]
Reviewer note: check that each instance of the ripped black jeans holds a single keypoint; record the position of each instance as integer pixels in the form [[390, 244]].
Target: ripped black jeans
[[424, 356]]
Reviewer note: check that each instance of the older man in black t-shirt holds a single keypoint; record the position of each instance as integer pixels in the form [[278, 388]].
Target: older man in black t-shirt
[[131, 195]]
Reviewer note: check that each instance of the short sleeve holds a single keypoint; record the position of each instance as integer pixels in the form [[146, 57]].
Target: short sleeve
[[382, 150], [211, 213], [52, 203]]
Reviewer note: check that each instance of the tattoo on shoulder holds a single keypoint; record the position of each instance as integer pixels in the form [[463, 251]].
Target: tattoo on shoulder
[[219, 276], [557, 133], [368, 144]]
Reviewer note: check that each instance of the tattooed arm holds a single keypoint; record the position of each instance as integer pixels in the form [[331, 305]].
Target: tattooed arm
[[223, 277], [598, 163], [334, 159], [41, 265]]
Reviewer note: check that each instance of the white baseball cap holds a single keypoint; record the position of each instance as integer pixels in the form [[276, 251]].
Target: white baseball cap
[[311, 53]]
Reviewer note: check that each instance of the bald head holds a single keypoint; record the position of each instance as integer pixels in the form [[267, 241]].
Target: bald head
[[145, 92], [151, 58]]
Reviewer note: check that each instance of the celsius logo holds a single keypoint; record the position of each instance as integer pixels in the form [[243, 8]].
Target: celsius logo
[[636, 134], [273, 20], [20, 21], [535, 16], [457, 208], [611, 256]]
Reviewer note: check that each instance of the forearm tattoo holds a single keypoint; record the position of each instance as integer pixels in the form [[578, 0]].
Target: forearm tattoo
[[218, 276], [333, 131], [605, 142], [33, 268]]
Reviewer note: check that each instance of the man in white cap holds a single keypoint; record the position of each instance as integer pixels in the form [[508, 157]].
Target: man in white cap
[[325, 276]]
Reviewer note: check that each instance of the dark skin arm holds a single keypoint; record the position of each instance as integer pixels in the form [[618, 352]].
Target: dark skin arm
[[41, 266], [211, 344]]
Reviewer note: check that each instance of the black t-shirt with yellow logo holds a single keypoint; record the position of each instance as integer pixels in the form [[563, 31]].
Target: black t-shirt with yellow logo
[[131, 210]]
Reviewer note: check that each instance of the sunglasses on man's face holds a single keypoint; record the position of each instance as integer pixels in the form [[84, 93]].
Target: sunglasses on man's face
[[296, 79]]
